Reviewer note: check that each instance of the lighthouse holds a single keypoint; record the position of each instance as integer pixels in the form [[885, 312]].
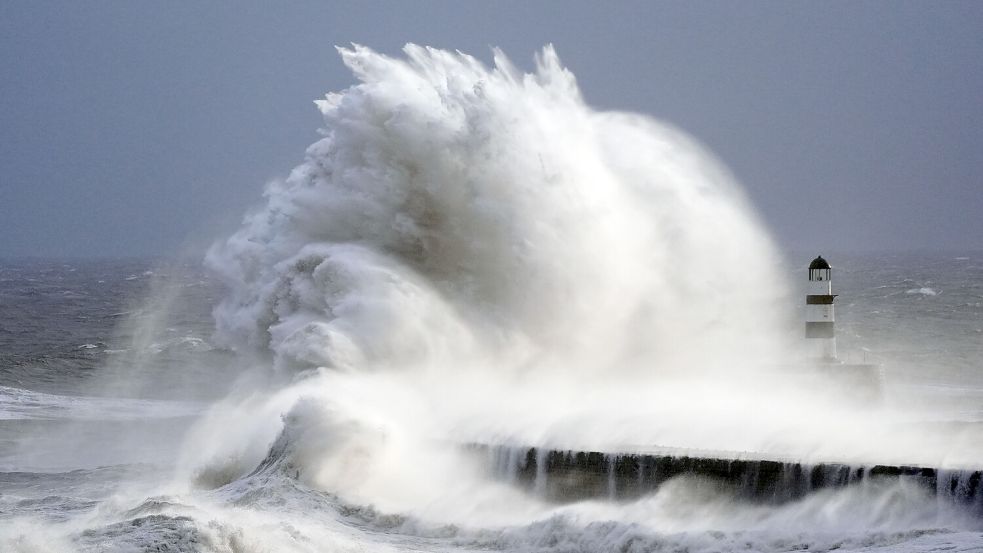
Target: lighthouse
[[819, 310]]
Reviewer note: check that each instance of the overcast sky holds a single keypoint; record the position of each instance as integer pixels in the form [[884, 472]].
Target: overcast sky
[[138, 128]]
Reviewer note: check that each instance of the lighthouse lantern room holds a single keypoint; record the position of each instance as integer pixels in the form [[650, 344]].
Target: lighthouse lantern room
[[819, 311]]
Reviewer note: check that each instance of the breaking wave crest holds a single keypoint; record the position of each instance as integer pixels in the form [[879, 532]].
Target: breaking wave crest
[[458, 215], [465, 236], [472, 254]]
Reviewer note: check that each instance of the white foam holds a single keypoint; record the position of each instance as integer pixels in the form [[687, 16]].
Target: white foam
[[474, 254], [455, 213], [925, 291]]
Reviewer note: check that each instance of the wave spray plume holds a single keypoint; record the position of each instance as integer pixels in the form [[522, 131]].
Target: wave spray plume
[[455, 213], [474, 254]]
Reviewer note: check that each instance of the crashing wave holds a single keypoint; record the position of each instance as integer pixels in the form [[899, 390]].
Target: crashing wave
[[456, 214]]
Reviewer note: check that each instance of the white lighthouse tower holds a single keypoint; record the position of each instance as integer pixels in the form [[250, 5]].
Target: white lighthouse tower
[[819, 310]]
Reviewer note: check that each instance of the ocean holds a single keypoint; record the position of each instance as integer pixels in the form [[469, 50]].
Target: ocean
[[100, 385]]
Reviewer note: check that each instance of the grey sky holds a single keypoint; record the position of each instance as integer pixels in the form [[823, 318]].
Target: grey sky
[[135, 128]]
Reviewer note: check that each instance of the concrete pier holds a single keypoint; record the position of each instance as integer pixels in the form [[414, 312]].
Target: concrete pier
[[565, 476]]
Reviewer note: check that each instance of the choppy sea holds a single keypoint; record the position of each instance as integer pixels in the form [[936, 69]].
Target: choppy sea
[[105, 365]]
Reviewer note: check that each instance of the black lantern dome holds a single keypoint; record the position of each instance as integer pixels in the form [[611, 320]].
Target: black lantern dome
[[819, 263], [819, 269]]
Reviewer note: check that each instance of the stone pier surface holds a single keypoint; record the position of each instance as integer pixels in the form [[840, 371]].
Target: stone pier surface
[[576, 475]]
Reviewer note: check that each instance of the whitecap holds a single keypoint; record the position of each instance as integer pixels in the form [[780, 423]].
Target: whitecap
[[925, 291]]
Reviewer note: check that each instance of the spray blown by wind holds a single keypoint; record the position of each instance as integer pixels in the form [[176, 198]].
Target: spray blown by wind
[[473, 254], [456, 215]]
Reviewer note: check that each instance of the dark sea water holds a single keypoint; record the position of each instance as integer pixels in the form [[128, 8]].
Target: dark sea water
[[60, 321], [106, 364], [111, 347]]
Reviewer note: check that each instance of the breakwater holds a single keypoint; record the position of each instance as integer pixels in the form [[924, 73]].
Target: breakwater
[[576, 475]]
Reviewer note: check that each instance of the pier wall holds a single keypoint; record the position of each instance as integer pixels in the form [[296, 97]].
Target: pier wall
[[564, 476]]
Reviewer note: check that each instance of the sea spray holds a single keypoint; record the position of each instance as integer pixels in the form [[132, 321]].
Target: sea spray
[[461, 215], [407, 312], [474, 255], [468, 248]]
